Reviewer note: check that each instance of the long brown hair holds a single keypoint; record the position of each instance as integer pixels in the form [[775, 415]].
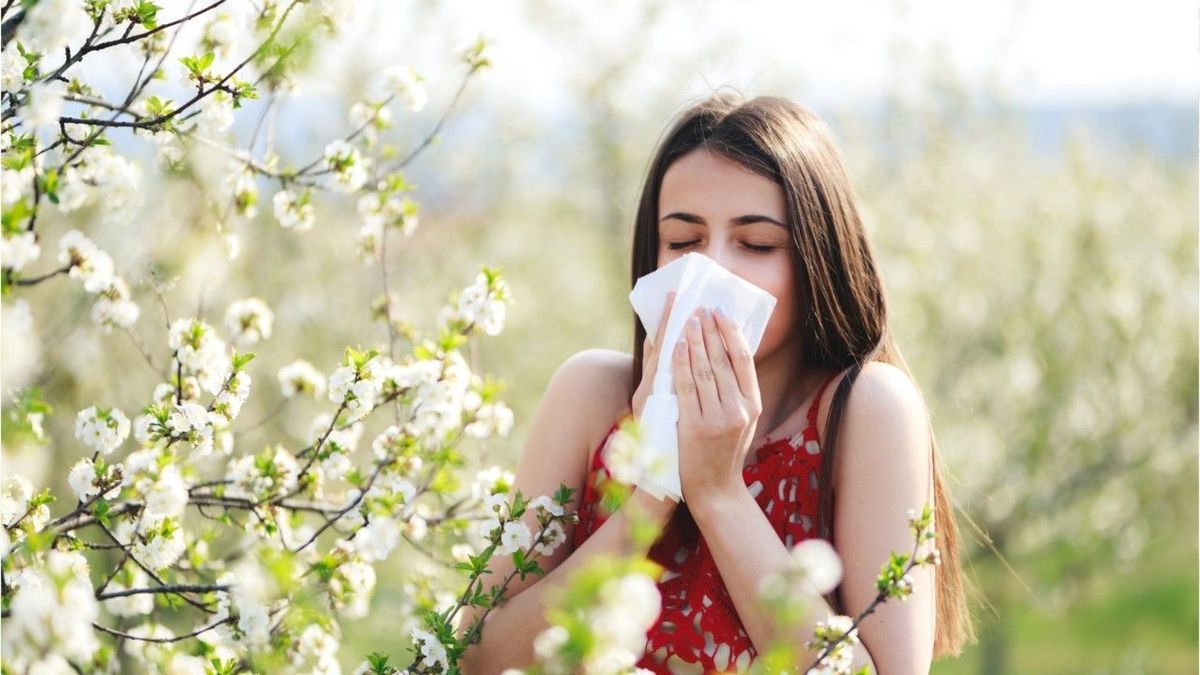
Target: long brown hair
[[839, 290]]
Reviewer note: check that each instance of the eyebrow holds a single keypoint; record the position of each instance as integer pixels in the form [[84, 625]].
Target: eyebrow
[[735, 222]]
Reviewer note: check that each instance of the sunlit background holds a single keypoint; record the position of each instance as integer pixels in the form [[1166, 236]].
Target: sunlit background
[[1028, 172]]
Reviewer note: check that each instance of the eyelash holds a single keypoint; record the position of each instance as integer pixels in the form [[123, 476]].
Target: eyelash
[[676, 246]]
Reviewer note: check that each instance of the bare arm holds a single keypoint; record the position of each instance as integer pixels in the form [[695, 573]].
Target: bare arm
[[510, 629], [583, 388], [884, 465]]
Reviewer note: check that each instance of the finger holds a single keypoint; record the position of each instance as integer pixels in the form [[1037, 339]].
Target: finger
[[702, 372], [718, 356], [685, 386], [740, 357], [653, 346]]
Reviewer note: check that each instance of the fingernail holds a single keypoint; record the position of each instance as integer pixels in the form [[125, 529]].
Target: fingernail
[[694, 322]]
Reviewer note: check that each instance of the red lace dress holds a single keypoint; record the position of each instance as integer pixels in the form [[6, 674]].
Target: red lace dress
[[698, 629]]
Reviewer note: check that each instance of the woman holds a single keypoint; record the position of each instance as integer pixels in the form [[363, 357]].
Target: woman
[[820, 433]]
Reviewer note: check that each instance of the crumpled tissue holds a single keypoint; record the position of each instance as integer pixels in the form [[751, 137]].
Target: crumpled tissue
[[699, 281]]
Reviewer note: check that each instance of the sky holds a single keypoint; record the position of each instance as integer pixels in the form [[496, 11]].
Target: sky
[[1046, 52]]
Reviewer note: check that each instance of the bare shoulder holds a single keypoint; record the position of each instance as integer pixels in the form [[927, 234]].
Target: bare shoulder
[[593, 386], [884, 405]]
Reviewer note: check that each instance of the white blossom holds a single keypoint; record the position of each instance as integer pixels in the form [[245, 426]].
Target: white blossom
[[348, 165], [546, 504], [101, 430], [484, 304], [14, 500], [376, 540], [44, 104], [433, 653], [819, 564], [516, 536], [300, 376], [51, 25], [52, 610], [294, 212], [248, 321], [199, 349], [163, 545], [490, 419], [113, 308], [168, 495], [405, 82], [18, 250], [553, 536], [88, 263]]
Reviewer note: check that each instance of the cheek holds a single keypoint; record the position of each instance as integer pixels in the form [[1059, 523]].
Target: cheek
[[778, 284]]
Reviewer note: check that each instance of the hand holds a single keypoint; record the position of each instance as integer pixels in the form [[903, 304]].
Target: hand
[[719, 405], [650, 351]]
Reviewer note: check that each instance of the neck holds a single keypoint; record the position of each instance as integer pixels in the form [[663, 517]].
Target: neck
[[784, 385]]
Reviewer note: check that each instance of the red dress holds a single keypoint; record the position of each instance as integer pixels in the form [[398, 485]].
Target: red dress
[[698, 628]]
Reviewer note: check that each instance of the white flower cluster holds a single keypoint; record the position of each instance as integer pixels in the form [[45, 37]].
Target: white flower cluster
[[113, 308], [358, 388], [628, 605], [433, 652], [103, 430], [315, 650], [440, 394], [216, 115], [104, 177], [818, 564], [14, 503], [83, 479], [166, 496], [88, 262], [248, 320], [351, 584], [370, 117], [375, 541], [623, 455], [300, 376], [16, 183], [161, 542], [381, 209], [404, 81], [91, 265], [221, 36], [481, 303], [201, 352], [350, 169], [246, 599], [335, 453], [490, 418], [294, 211], [243, 190], [51, 615], [19, 249], [841, 658], [228, 403], [189, 420], [51, 25], [271, 472]]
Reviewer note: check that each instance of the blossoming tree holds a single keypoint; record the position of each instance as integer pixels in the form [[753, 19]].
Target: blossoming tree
[[182, 549]]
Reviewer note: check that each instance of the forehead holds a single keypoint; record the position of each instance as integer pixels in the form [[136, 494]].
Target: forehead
[[706, 183]]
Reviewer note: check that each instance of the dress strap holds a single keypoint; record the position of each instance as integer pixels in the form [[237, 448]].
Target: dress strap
[[816, 404]]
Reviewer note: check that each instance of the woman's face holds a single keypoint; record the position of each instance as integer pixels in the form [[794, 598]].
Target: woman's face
[[714, 206]]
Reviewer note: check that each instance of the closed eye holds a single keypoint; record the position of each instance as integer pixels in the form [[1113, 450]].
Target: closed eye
[[676, 246]]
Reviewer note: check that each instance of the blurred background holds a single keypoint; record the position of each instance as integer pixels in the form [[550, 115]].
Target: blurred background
[[1028, 172]]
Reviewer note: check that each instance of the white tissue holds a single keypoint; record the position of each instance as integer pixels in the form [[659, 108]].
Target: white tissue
[[699, 281]]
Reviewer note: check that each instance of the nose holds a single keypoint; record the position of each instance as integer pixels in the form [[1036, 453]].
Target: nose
[[721, 253]]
